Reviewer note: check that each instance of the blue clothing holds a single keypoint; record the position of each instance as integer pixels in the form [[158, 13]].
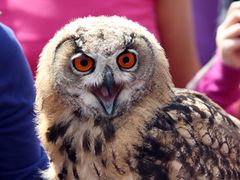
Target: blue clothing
[[21, 156]]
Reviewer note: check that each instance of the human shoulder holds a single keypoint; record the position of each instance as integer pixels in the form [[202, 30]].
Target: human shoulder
[[8, 39]]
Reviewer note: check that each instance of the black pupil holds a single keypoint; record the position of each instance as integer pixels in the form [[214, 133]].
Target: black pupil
[[84, 62], [125, 60]]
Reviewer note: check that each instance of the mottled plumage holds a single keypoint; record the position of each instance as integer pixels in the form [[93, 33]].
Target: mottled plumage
[[107, 109]]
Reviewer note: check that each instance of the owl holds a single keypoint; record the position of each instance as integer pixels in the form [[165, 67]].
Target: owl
[[107, 110]]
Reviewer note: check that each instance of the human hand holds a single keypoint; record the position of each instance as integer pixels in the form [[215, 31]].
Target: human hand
[[228, 37]]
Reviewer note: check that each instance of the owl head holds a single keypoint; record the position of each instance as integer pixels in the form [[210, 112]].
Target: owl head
[[103, 66]]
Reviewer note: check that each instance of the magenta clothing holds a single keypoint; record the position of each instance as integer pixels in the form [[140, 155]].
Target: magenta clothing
[[222, 84], [35, 21]]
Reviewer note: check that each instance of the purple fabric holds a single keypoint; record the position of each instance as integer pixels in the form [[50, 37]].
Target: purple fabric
[[221, 84], [205, 18]]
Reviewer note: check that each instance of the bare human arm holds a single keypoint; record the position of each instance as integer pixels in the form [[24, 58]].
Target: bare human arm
[[177, 38]]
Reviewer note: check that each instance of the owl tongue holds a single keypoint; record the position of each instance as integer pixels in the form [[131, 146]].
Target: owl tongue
[[107, 96]]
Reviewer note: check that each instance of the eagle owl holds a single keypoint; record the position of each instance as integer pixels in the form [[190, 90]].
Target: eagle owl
[[107, 109]]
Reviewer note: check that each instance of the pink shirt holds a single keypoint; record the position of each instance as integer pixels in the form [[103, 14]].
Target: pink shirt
[[36, 21], [222, 84]]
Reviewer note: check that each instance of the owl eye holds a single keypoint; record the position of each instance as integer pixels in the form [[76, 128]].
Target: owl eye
[[83, 63], [126, 60]]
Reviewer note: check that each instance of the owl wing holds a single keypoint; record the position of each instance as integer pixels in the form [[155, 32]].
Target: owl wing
[[191, 137]]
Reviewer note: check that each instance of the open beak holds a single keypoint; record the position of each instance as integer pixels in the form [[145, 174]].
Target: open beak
[[107, 92]]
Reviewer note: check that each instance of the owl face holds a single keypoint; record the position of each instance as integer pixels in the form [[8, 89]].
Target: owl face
[[102, 67]]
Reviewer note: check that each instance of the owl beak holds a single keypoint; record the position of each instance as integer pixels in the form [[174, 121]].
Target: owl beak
[[107, 92], [108, 80]]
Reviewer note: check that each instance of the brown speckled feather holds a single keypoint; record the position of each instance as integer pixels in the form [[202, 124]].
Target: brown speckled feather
[[191, 138], [111, 123]]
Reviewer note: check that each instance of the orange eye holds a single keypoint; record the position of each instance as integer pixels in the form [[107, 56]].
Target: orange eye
[[126, 60], [83, 63]]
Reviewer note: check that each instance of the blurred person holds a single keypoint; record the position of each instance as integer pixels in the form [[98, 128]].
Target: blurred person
[[208, 15], [224, 5], [35, 22], [21, 155], [220, 78]]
